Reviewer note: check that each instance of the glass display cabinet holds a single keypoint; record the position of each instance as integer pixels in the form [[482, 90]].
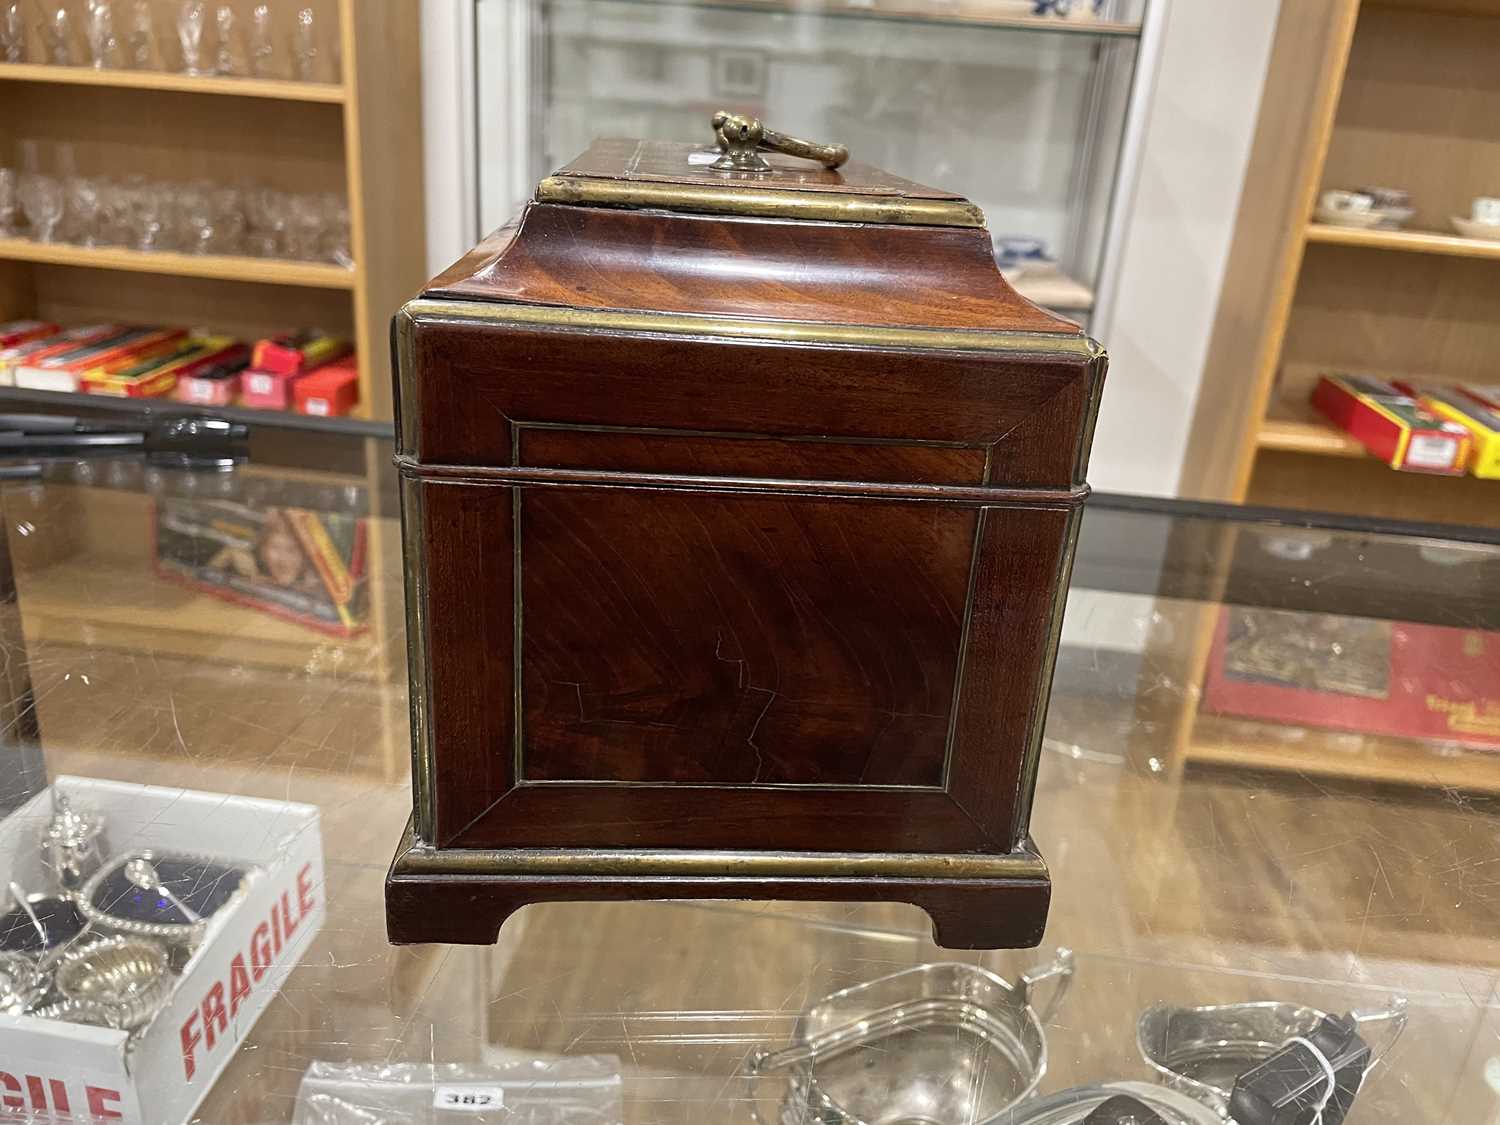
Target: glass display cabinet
[[1024, 106]]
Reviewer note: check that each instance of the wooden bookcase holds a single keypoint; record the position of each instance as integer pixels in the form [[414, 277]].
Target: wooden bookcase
[[1378, 92], [360, 137]]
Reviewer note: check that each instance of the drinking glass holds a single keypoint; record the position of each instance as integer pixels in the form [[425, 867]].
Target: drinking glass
[[262, 42], [10, 207], [41, 199], [12, 32], [196, 216], [104, 47], [305, 46], [83, 205], [191, 19], [227, 208], [336, 238], [58, 31], [114, 224], [305, 226], [141, 39], [151, 209], [230, 58], [267, 211]]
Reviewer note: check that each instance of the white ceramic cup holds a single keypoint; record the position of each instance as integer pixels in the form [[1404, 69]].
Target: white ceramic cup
[[1486, 209], [1353, 201]]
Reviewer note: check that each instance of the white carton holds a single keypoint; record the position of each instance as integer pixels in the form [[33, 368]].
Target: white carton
[[78, 1073]]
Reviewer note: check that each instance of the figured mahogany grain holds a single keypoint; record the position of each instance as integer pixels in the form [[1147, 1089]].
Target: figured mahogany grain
[[710, 265], [480, 382], [739, 639]]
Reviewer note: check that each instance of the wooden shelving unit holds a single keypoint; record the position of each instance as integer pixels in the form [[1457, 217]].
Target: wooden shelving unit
[[1244, 744], [1411, 241], [1359, 92], [359, 137], [180, 83], [263, 271]]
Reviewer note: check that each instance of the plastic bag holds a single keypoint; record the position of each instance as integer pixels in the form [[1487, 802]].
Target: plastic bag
[[530, 1090]]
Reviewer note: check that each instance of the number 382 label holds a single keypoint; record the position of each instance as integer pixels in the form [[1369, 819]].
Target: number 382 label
[[471, 1099]]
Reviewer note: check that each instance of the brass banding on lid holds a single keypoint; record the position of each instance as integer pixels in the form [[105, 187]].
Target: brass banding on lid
[[759, 202]]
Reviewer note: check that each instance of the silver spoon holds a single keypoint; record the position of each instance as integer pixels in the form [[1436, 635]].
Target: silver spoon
[[19, 894], [142, 872]]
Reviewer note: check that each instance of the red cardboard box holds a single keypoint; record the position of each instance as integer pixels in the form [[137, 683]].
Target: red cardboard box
[[266, 390], [292, 355], [329, 391], [216, 381], [1356, 674], [61, 370], [1392, 424], [21, 331]]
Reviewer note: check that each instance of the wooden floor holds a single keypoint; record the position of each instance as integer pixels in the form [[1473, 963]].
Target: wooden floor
[[1205, 886]]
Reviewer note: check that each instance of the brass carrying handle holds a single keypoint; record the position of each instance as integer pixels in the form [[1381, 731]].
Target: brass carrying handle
[[741, 138]]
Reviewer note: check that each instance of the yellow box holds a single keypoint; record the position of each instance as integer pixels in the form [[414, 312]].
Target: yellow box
[[1482, 422]]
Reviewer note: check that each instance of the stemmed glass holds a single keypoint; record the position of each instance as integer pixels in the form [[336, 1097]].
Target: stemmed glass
[[231, 57], [40, 195], [191, 20], [141, 38], [336, 238], [58, 31], [262, 43], [42, 199], [151, 208], [305, 46], [267, 212], [12, 33], [104, 47], [196, 214]]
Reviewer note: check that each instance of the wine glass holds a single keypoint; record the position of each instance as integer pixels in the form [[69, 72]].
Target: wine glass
[[141, 38], [41, 199], [262, 43], [58, 32], [305, 46], [104, 47], [227, 206], [267, 211], [12, 32], [230, 58], [115, 203], [336, 238], [304, 233], [196, 216], [83, 205], [191, 20], [150, 209]]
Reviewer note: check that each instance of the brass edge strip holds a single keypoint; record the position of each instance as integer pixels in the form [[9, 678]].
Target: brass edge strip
[[416, 656], [1098, 369], [1064, 344], [403, 346], [1023, 863], [1031, 761], [989, 496], [760, 203]]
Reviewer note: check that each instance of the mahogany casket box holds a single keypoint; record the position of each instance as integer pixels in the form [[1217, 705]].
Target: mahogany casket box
[[738, 503]]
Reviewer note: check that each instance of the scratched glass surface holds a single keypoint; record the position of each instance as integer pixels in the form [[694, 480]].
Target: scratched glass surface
[[1261, 780]]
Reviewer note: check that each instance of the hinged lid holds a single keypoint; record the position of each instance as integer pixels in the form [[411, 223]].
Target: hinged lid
[[759, 226], [693, 178]]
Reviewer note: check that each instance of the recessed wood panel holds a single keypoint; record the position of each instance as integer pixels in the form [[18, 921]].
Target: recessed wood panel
[[746, 455], [671, 637]]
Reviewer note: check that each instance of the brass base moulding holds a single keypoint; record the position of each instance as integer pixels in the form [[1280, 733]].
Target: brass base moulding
[[974, 901]]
